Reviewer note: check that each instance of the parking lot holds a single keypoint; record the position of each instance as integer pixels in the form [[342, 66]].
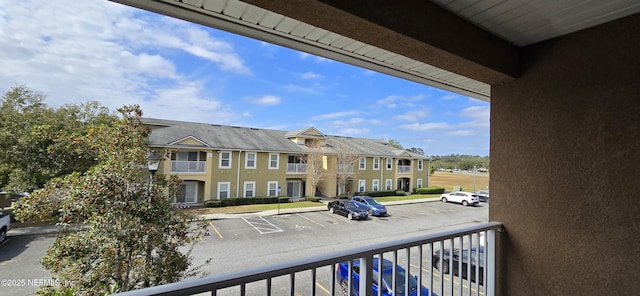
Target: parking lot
[[255, 240]]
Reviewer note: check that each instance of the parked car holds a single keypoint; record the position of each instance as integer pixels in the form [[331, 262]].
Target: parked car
[[477, 255], [483, 195], [374, 208], [462, 197], [5, 225], [342, 276], [349, 209]]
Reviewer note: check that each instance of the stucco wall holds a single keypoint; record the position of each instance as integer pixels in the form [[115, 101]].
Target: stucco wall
[[565, 152]]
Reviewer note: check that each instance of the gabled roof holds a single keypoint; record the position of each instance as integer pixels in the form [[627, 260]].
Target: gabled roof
[[170, 133], [310, 132]]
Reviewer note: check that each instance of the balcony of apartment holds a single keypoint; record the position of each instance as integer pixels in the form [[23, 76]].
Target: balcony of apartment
[[354, 272], [296, 168], [404, 169], [184, 166]]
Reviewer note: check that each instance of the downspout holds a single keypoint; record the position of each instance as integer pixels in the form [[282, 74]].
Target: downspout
[[238, 178], [383, 159]]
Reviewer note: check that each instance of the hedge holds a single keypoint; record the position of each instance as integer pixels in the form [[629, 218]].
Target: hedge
[[382, 193], [238, 201], [429, 190]]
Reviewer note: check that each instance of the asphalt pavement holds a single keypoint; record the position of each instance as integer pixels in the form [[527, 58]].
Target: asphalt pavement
[[17, 230]]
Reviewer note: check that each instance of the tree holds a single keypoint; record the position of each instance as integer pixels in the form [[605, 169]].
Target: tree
[[346, 158], [416, 150], [119, 231], [394, 143], [314, 160], [38, 142]]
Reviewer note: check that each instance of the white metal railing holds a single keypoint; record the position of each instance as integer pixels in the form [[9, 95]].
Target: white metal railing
[[296, 167], [178, 166], [418, 255], [404, 169]]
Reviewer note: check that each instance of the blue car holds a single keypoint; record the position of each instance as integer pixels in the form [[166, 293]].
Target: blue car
[[342, 274], [375, 208]]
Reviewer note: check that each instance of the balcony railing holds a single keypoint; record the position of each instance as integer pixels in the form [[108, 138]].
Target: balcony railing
[[178, 166], [418, 255], [404, 169], [296, 167]]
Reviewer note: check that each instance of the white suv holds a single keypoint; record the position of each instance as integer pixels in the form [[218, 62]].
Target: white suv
[[464, 198]]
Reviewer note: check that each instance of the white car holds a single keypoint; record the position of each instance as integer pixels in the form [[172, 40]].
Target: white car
[[462, 197]]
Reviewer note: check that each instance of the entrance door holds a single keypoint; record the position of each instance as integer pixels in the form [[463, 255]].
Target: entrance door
[[294, 188]]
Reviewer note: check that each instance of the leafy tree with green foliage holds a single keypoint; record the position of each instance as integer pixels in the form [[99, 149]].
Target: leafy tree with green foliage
[[395, 143], [39, 142], [417, 150], [119, 231]]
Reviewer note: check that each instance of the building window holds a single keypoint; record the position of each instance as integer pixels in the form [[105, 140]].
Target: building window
[[419, 183], [274, 159], [272, 188], [388, 184], [376, 185], [376, 163], [223, 190], [389, 164], [187, 156], [362, 185], [249, 189], [363, 163], [225, 160], [250, 160], [420, 165]]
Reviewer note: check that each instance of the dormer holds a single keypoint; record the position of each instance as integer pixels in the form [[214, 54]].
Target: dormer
[[310, 137]]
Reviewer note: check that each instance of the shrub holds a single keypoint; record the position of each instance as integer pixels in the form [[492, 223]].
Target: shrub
[[429, 190], [343, 196], [238, 201], [312, 198]]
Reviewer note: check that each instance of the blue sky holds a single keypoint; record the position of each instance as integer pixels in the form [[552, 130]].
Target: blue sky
[[95, 50]]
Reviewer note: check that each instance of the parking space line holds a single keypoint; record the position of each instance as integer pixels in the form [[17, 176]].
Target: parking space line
[[262, 225], [310, 220], [215, 229], [323, 288], [335, 216]]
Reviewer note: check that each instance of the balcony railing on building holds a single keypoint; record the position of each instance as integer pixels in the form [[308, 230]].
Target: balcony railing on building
[[293, 168], [404, 169], [178, 166], [473, 275]]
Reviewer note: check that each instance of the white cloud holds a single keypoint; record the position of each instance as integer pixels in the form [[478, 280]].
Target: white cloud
[[479, 116], [267, 100], [356, 132], [413, 116], [74, 51], [311, 75], [336, 115], [393, 101], [426, 126], [461, 133]]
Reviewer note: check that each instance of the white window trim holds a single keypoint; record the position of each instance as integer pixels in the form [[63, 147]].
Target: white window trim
[[364, 185], [375, 186], [376, 163], [388, 184], [246, 160], [220, 160], [269, 183], [277, 161], [419, 183], [420, 164], [389, 164], [228, 189], [244, 192], [362, 163]]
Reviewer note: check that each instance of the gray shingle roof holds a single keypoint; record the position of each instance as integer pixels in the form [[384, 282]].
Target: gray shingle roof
[[165, 133]]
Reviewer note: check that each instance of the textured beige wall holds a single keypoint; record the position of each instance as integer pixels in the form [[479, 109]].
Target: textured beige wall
[[565, 152]]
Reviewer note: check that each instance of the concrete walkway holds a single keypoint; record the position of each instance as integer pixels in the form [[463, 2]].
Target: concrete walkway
[[52, 229]]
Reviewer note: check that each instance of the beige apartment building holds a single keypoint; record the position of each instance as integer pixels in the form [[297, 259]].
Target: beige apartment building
[[217, 161]]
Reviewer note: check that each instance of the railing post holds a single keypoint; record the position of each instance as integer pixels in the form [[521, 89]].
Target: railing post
[[366, 276], [490, 270]]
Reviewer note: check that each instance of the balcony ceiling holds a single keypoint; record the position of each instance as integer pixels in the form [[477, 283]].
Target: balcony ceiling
[[306, 25]]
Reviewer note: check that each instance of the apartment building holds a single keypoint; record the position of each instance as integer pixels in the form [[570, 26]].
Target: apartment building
[[218, 161]]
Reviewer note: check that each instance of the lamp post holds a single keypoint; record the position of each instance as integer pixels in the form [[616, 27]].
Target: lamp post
[[153, 162], [474, 178]]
